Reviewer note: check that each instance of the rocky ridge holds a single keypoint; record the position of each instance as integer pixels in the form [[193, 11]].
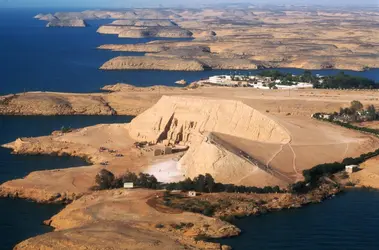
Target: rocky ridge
[[156, 63]]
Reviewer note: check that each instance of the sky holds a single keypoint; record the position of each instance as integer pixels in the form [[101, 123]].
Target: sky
[[167, 3]]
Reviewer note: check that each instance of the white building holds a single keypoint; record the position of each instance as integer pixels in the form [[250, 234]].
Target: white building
[[128, 185], [351, 168], [191, 194], [222, 79]]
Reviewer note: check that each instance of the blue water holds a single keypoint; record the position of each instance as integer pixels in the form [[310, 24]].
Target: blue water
[[21, 219], [33, 57], [348, 222], [66, 59]]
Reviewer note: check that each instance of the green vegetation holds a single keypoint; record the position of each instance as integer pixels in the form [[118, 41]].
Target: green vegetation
[[191, 205], [289, 78], [339, 81], [312, 176], [106, 180], [206, 184], [343, 81], [354, 113]]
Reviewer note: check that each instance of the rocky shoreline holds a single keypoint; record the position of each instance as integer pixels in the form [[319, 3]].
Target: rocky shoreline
[[140, 212], [187, 230]]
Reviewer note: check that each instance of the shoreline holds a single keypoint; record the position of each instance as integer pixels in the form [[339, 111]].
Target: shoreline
[[178, 233], [102, 143]]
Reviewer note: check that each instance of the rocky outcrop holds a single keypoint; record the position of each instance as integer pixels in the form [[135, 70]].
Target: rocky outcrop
[[145, 23], [150, 48], [181, 82], [78, 23], [154, 63], [123, 87], [45, 103], [47, 17], [143, 32], [184, 118]]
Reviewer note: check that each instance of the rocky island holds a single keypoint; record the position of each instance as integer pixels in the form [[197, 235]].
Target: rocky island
[[80, 23]]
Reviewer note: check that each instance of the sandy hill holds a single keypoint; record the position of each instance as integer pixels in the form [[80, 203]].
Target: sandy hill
[[237, 144], [178, 118]]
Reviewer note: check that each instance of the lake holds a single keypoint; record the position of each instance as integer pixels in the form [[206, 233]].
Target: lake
[[21, 219], [34, 57], [66, 59], [349, 221]]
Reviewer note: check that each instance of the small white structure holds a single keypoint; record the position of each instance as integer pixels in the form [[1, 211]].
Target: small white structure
[[176, 191], [191, 194], [129, 185], [351, 168]]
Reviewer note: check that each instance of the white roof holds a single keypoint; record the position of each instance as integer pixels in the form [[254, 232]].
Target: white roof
[[128, 184], [352, 166]]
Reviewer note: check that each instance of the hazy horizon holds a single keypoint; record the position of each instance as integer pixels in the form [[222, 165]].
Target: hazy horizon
[[172, 3]]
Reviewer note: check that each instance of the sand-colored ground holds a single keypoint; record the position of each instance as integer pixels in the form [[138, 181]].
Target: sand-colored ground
[[125, 99], [368, 175], [239, 135], [229, 133], [50, 103], [65, 184], [369, 124], [243, 38], [300, 39], [122, 219]]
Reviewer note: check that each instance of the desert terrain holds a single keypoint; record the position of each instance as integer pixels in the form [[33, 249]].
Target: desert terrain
[[242, 136], [138, 219], [239, 38], [122, 219]]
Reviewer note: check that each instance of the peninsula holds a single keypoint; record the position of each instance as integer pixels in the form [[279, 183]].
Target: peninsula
[[245, 137]]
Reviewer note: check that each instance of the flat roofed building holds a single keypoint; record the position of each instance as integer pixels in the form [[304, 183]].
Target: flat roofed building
[[351, 168], [129, 185]]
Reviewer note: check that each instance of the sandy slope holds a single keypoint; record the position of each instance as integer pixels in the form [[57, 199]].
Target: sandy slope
[[368, 175]]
